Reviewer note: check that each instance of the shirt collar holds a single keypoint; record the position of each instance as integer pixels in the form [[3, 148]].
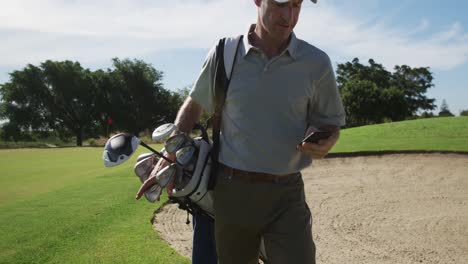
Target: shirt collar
[[247, 45], [291, 49]]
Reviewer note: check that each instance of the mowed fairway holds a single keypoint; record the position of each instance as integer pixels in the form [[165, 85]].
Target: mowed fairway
[[64, 206]]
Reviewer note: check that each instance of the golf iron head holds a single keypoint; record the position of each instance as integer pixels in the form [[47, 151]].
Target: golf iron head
[[177, 142], [164, 176], [144, 156], [153, 193], [187, 157], [144, 167]]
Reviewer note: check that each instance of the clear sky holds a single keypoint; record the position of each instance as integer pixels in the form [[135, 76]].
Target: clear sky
[[174, 36]]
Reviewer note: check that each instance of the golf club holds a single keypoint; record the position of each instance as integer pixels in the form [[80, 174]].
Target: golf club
[[144, 156], [143, 167], [176, 142], [153, 193], [187, 157], [163, 131], [165, 175], [120, 147]]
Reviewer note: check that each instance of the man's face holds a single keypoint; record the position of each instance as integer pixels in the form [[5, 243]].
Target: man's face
[[278, 19]]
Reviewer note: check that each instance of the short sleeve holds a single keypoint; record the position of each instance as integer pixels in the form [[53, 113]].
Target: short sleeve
[[202, 90], [326, 107]]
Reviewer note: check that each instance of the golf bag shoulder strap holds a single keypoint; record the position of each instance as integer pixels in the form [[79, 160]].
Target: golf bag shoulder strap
[[231, 46], [226, 54], [224, 65]]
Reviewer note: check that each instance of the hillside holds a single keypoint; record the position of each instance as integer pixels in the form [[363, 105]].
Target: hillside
[[432, 134]]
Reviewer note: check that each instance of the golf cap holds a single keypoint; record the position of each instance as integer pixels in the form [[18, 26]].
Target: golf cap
[[284, 1]]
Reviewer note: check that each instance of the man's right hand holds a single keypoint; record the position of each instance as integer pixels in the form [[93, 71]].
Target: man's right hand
[[189, 113], [152, 179]]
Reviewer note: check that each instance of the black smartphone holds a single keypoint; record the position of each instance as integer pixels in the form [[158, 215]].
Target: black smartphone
[[314, 137]]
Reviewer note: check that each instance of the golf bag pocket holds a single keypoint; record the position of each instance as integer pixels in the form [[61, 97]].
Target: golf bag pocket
[[196, 188]]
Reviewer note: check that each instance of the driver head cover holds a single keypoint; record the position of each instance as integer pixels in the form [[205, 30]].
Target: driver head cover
[[119, 148]]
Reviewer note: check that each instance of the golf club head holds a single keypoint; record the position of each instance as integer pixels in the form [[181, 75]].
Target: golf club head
[[176, 142], [144, 156], [187, 157], [181, 178], [153, 193], [144, 167], [165, 175], [178, 175], [119, 148], [163, 131]]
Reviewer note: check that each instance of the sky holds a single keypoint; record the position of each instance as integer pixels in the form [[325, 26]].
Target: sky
[[174, 36]]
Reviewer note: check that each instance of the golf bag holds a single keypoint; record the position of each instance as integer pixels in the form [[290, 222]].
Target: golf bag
[[197, 195], [194, 196]]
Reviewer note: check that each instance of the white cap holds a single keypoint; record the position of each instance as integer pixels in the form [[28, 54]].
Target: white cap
[[285, 1]]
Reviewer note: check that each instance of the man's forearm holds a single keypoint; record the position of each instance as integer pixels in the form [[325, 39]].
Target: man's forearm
[[189, 113]]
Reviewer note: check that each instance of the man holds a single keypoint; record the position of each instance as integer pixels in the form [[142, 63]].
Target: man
[[282, 89]]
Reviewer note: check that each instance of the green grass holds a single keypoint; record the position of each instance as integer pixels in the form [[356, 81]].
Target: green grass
[[432, 134], [63, 206]]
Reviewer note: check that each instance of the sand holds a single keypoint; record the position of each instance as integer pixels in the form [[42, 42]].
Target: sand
[[398, 208]]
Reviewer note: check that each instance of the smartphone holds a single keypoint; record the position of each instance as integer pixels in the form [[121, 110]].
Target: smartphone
[[314, 137]]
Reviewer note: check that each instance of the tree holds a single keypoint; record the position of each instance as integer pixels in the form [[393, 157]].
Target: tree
[[426, 114], [464, 113], [361, 100], [365, 103], [71, 97], [354, 70], [444, 109], [183, 94], [55, 95], [134, 96], [393, 96], [414, 82], [394, 104], [64, 97], [22, 104]]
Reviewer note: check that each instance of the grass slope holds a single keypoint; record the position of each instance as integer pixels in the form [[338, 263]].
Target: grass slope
[[432, 134], [63, 206]]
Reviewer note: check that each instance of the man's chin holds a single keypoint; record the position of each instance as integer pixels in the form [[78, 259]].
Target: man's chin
[[284, 34], [280, 34]]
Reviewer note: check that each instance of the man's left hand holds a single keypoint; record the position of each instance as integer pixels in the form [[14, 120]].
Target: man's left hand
[[320, 149]]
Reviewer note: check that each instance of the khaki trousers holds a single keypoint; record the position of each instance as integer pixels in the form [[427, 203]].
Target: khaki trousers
[[277, 211]]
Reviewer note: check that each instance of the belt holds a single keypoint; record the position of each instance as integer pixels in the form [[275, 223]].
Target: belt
[[251, 176]]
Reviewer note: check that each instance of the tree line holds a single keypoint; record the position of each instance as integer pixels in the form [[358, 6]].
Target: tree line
[[372, 95], [63, 97]]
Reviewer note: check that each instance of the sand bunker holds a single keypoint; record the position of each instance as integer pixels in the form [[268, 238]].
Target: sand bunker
[[378, 209]]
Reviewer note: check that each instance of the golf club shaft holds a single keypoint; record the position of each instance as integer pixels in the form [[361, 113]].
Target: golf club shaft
[[155, 152]]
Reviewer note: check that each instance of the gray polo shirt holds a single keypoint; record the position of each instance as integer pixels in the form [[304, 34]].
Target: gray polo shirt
[[270, 104]]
